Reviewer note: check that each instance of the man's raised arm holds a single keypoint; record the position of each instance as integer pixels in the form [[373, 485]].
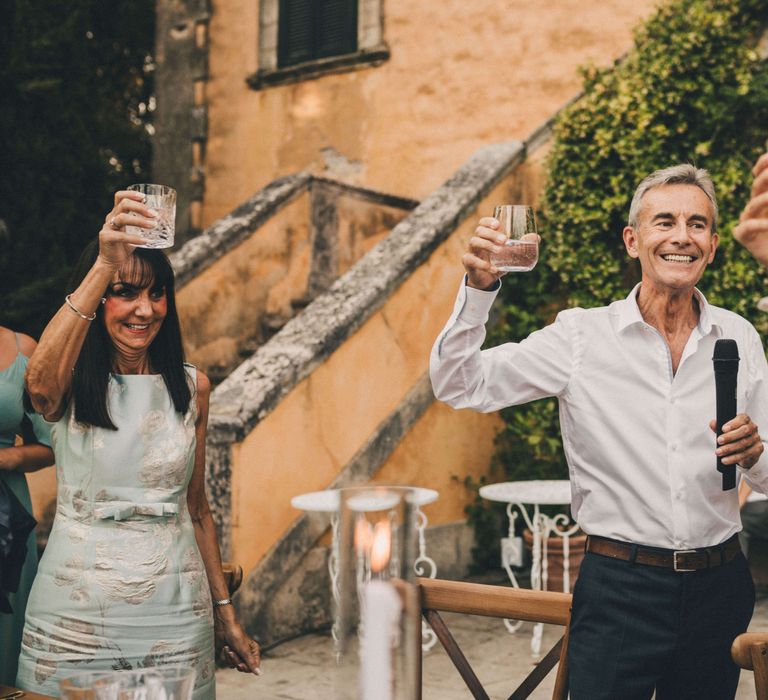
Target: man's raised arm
[[752, 231]]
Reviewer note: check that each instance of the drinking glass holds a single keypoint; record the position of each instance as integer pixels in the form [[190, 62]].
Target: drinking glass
[[155, 683], [162, 199], [79, 686], [520, 252]]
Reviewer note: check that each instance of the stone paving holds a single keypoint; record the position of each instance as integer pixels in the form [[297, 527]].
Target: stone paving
[[301, 669]]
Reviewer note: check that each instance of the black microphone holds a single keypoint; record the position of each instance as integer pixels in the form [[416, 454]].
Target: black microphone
[[726, 362]]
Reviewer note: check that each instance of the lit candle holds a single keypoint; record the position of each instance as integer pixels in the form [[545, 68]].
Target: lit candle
[[380, 619], [381, 615], [381, 548]]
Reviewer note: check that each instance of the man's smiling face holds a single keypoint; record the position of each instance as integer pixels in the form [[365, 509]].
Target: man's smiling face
[[673, 238]]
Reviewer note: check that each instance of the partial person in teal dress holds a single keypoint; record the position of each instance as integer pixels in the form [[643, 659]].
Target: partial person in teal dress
[[131, 577], [35, 453]]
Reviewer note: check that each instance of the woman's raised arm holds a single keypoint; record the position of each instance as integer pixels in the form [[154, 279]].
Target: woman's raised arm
[[49, 372]]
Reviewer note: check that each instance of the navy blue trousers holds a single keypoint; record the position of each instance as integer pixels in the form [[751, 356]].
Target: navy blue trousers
[[638, 628]]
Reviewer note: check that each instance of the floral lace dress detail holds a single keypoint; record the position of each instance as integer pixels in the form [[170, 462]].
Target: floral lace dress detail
[[121, 584]]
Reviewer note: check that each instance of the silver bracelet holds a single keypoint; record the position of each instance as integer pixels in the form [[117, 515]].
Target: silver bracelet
[[77, 311], [223, 601]]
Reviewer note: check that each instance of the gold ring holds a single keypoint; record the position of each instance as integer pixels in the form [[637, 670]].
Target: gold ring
[[112, 224]]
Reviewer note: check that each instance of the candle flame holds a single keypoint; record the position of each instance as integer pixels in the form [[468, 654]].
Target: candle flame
[[381, 545], [363, 536]]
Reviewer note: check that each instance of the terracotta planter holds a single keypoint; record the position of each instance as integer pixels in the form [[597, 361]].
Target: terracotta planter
[[555, 558]]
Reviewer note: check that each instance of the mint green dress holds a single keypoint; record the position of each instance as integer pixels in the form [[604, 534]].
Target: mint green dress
[[121, 584], [11, 415]]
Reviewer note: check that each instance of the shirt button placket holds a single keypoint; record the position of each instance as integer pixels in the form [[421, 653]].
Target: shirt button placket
[[675, 475]]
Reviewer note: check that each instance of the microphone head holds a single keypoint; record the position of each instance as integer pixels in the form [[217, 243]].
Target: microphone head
[[726, 349]]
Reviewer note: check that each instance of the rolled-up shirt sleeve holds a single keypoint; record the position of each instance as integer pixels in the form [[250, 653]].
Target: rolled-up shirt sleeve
[[464, 376], [757, 409]]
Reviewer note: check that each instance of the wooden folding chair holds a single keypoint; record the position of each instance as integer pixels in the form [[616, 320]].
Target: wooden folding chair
[[750, 652], [499, 601]]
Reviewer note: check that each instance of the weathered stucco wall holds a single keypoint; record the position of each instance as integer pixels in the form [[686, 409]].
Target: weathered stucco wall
[[340, 395], [265, 262], [323, 422], [224, 308], [361, 227], [461, 75]]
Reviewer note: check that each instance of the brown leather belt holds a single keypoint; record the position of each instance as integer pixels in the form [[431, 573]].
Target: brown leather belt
[[677, 559]]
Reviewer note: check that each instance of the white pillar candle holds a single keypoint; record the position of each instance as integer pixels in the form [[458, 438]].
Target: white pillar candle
[[380, 621]]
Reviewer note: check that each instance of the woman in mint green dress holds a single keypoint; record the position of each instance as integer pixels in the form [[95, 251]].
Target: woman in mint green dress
[[131, 576], [34, 454]]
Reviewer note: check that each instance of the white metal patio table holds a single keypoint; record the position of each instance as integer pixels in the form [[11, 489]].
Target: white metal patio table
[[535, 493]]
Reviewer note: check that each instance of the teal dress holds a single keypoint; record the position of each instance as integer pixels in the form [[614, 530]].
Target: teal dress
[[11, 415], [121, 584]]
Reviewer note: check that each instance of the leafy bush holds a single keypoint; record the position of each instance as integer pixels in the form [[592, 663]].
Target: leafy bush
[[76, 80], [694, 89]]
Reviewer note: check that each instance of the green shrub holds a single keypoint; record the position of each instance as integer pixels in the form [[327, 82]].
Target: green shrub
[[694, 89], [76, 82]]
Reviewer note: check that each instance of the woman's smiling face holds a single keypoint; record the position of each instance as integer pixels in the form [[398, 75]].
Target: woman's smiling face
[[134, 311]]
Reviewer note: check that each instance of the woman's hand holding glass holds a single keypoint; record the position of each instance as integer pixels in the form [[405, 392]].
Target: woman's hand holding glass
[[115, 244]]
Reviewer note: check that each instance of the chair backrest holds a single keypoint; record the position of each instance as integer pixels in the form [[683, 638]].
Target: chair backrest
[[750, 652], [499, 601]]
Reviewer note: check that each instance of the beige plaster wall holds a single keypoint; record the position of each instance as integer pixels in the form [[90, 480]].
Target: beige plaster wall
[[223, 309], [443, 447], [224, 306], [361, 226], [319, 426], [461, 75]]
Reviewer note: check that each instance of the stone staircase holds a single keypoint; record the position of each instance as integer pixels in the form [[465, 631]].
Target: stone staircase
[[345, 315]]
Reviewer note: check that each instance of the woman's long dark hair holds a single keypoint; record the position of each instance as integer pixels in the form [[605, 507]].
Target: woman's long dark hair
[[166, 353]]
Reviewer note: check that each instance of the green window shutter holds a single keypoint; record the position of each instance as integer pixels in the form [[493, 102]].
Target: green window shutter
[[295, 38], [311, 29], [336, 28]]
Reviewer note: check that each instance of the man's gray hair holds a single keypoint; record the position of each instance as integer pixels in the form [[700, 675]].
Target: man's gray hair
[[683, 174]]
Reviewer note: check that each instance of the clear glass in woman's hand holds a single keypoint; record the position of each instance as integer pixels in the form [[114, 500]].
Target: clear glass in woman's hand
[[162, 199], [520, 252]]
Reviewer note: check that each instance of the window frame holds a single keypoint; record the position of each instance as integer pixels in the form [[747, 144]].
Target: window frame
[[371, 48]]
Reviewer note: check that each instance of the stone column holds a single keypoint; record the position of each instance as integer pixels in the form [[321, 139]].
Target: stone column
[[181, 55]]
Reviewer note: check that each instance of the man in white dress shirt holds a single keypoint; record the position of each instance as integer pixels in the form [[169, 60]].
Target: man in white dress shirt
[[663, 589]]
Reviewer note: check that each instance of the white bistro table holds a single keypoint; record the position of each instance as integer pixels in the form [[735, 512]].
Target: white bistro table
[[328, 502], [518, 494]]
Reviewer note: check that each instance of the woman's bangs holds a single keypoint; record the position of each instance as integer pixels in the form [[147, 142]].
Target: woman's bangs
[[142, 270]]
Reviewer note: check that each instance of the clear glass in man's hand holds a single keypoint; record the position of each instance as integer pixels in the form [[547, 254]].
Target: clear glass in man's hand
[[520, 252]]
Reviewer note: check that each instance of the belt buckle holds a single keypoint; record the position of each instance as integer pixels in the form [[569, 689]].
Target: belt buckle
[[674, 559]]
